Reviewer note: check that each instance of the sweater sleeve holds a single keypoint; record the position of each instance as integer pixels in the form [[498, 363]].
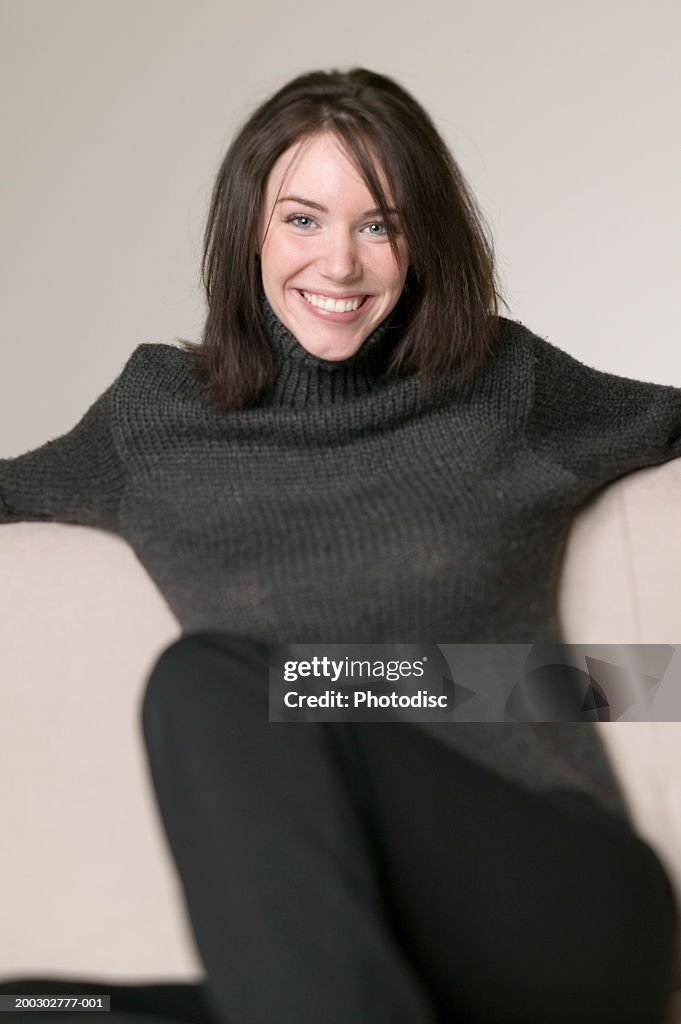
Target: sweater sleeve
[[76, 478], [597, 425]]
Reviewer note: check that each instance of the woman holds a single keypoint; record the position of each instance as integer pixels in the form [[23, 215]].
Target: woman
[[360, 450]]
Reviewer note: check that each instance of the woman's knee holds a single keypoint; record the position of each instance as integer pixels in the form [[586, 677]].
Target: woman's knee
[[193, 667]]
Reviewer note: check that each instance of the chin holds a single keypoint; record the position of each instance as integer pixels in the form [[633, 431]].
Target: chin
[[333, 352]]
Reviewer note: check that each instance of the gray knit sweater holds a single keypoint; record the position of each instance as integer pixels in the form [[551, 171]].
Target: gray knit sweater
[[346, 508]]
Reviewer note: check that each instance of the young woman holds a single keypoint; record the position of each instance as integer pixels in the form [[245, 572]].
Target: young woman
[[361, 450]]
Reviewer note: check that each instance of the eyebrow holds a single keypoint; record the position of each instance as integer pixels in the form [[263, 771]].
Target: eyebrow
[[323, 209]]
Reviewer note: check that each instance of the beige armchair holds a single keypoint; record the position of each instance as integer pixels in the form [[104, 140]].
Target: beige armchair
[[88, 888]]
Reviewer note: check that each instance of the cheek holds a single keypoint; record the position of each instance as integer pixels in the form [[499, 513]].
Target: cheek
[[281, 257], [386, 268], [395, 275]]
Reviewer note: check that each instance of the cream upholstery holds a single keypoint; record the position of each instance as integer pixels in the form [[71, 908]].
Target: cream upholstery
[[88, 885], [622, 584]]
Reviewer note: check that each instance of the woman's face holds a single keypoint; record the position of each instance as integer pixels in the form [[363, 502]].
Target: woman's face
[[328, 270]]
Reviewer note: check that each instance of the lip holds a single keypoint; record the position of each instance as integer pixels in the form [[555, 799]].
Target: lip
[[347, 296], [331, 316]]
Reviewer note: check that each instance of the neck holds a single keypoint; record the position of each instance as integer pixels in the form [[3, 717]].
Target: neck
[[304, 379]]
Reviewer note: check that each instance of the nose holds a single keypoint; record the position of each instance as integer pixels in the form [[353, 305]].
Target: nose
[[339, 260]]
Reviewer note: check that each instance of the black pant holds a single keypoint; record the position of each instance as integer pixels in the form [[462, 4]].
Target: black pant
[[366, 874]]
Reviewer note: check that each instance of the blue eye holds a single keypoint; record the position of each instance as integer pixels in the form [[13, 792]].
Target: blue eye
[[297, 218], [380, 225]]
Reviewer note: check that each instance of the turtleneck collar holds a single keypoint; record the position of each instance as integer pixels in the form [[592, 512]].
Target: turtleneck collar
[[304, 379]]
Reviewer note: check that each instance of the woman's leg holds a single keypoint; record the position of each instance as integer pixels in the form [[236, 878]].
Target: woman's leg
[[277, 867], [515, 907], [341, 872]]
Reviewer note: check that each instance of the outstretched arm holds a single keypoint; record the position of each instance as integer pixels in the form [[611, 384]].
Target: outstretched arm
[[76, 478], [597, 425]]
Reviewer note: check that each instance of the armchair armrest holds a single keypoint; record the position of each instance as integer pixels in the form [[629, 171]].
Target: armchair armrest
[[88, 886]]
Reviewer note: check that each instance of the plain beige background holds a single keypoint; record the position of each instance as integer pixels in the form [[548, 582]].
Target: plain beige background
[[116, 114]]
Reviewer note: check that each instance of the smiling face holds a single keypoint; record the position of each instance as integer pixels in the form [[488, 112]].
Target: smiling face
[[328, 270]]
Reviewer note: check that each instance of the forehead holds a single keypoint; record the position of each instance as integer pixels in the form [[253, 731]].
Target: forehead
[[323, 165]]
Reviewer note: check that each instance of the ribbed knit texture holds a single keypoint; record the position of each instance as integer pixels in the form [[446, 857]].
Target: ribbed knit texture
[[346, 508]]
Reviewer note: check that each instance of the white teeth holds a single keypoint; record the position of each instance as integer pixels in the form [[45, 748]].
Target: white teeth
[[332, 305]]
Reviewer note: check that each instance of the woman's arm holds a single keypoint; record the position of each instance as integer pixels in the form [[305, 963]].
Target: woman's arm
[[76, 478], [596, 425]]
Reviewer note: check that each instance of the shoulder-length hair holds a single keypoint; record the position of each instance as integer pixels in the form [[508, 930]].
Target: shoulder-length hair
[[448, 311]]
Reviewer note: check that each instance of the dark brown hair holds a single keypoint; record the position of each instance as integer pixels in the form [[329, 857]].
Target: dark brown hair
[[449, 305]]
